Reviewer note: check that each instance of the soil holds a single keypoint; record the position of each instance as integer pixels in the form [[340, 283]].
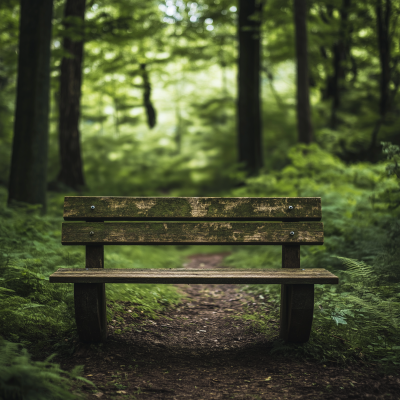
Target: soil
[[201, 350]]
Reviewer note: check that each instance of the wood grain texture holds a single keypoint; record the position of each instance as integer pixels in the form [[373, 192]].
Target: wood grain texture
[[290, 259], [188, 208], [290, 256], [90, 233], [181, 275], [90, 301], [95, 256], [90, 317], [299, 313]]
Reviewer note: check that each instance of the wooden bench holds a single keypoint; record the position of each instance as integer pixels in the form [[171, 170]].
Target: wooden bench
[[200, 221]]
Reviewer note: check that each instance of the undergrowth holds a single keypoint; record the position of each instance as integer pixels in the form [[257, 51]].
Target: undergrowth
[[39, 314], [359, 319], [21, 378]]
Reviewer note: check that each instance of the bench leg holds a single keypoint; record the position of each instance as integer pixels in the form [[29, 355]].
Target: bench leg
[[90, 302], [90, 312], [297, 308]]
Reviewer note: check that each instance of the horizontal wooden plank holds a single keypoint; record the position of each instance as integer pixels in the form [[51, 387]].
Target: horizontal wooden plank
[[192, 233], [180, 275], [198, 208]]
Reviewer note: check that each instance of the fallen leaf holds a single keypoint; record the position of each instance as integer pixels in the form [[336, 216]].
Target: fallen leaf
[[98, 394], [121, 392], [268, 379], [89, 375]]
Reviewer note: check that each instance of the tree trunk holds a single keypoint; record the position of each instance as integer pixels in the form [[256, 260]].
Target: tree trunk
[[249, 102], [148, 105], [28, 175], [383, 22], [304, 124], [341, 52], [71, 173]]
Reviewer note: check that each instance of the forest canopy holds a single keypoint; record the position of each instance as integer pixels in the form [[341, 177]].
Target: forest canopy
[[159, 88]]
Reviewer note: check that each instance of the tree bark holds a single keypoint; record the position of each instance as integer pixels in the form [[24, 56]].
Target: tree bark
[[384, 42], [304, 124], [148, 105], [249, 101], [28, 175], [71, 172], [341, 52]]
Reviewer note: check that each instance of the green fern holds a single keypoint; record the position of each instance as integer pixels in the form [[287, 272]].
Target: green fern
[[22, 378]]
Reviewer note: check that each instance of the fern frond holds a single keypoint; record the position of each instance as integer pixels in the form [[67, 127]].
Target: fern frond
[[358, 269]]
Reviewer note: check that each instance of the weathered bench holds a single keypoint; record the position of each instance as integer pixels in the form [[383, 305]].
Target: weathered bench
[[207, 220]]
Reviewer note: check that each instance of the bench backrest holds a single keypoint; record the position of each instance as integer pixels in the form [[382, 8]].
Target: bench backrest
[[192, 220]]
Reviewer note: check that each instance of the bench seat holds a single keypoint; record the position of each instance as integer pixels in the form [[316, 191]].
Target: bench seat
[[193, 276]]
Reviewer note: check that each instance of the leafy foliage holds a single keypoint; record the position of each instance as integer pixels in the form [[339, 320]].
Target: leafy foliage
[[356, 219], [359, 318], [36, 312], [21, 378], [358, 321], [190, 53]]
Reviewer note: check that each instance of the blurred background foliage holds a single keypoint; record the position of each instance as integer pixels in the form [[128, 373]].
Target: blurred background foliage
[[184, 54], [190, 53]]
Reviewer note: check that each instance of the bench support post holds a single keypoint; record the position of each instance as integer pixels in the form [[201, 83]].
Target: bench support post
[[90, 302], [297, 302]]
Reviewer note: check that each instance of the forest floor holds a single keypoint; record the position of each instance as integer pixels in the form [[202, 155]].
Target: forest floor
[[202, 350]]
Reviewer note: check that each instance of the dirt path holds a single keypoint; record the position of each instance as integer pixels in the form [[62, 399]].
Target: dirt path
[[200, 351]]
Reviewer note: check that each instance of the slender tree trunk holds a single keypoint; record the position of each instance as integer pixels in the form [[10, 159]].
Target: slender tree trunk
[[249, 102], [384, 41], [304, 124], [178, 130], [384, 53], [148, 105], [28, 175], [341, 52], [71, 173], [116, 119]]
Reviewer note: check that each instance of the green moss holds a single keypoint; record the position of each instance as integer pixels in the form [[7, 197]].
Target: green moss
[[170, 208], [175, 207], [244, 208], [216, 208], [155, 227]]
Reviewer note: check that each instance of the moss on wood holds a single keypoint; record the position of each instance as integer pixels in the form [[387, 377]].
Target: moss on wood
[[183, 208], [193, 233]]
